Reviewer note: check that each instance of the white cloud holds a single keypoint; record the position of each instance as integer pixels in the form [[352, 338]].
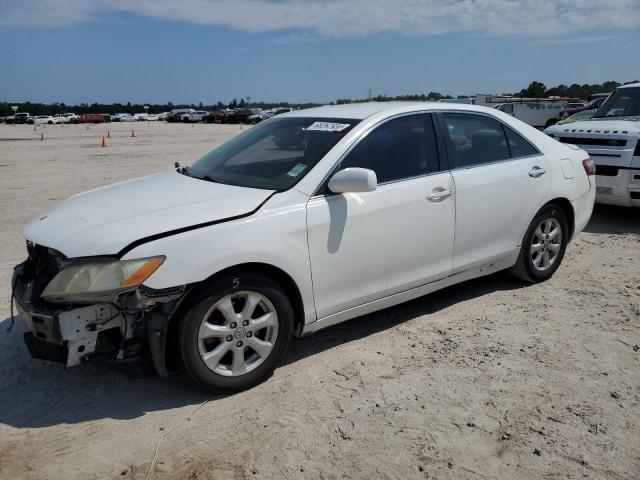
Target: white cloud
[[343, 18]]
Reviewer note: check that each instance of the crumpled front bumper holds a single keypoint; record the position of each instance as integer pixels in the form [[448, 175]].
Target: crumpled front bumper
[[68, 335], [134, 325]]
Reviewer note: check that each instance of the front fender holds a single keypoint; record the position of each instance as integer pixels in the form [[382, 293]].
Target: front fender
[[276, 235]]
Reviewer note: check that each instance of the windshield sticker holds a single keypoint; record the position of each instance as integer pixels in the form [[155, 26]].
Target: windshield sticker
[[327, 127], [297, 170]]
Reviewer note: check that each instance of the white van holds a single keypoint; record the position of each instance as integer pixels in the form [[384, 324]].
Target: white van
[[536, 114]]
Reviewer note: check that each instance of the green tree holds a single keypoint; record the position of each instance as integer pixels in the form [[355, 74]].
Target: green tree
[[535, 90]]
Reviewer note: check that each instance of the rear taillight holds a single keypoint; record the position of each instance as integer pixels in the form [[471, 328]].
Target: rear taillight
[[589, 166]]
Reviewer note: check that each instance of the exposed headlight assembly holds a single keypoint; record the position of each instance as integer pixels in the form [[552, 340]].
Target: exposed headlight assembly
[[100, 280]]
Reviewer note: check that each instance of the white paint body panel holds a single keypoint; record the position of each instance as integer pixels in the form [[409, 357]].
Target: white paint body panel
[[369, 245], [348, 254], [494, 206], [105, 220]]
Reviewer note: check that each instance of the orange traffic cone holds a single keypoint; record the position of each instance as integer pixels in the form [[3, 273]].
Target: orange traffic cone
[[42, 136], [108, 134], [133, 134], [104, 142]]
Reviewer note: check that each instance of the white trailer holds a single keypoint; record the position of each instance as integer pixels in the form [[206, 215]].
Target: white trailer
[[537, 114]]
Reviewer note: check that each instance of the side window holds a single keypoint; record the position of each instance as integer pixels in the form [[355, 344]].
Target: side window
[[474, 139], [507, 108], [404, 147], [518, 146]]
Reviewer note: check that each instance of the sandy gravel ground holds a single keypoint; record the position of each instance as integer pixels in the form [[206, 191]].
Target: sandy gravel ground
[[488, 379]]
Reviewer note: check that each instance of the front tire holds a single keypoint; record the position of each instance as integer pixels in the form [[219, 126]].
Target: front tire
[[543, 246], [236, 333]]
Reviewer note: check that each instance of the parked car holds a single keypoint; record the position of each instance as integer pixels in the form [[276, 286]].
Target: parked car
[[581, 115], [241, 115], [92, 118], [123, 117], [217, 116], [380, 203], [591, 105], [9, 119], [266, 114], [42, 120], [537, 114], [21, 118], [181, 115], [70, 116], [612, 139], [162, 116]]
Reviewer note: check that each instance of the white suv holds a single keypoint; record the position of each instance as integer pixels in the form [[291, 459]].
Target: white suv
[[308, 219], [612, 138]]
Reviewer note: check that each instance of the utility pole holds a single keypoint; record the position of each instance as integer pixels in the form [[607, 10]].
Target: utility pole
[[369, 94]]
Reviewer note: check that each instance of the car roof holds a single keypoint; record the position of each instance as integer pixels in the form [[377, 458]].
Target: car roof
[[363, 110], [630, 85]]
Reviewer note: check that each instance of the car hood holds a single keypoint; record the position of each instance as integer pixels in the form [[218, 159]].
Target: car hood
[[629, 125], [105, 220]]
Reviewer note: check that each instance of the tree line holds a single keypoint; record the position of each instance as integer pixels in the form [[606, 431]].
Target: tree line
[[539, 90], [535, 89]]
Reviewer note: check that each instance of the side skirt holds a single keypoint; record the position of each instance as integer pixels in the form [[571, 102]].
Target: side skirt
[[488, 268]]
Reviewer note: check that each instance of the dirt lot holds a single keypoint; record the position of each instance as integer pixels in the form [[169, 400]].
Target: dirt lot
[[488, 379]]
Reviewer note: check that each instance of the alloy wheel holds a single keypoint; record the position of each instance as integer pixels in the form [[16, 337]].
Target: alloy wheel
[[546, 244], [238, 333]]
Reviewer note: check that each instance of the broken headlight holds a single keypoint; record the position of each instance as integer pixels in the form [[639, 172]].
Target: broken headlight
[[100, 280]]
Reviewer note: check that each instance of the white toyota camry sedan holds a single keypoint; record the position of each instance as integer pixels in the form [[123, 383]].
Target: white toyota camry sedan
[[305, 220]]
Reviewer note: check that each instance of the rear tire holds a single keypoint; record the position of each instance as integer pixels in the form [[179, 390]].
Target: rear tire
[[543, 246], [236, 332]]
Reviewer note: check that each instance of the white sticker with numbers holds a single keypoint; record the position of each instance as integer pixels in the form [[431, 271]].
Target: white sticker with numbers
[[327, 127]]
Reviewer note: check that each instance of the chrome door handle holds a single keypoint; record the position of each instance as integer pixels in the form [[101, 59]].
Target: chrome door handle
[[438, 194], [536, 171]]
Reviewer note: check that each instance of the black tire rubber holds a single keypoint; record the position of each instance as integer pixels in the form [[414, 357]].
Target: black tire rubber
[[193, 365], [523, 268]]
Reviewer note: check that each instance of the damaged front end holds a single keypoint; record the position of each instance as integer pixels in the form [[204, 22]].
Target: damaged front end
[[93, 309]]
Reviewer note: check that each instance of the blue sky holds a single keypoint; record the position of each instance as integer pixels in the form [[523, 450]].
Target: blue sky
[[305, 50]]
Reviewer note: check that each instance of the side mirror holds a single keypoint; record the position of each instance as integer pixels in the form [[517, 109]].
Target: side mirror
[[353, 180]]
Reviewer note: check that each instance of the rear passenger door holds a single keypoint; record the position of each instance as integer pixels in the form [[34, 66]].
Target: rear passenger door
[[500, 181]]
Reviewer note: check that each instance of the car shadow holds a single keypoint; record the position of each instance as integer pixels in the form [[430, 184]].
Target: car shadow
[[38, 394], [612, 219]]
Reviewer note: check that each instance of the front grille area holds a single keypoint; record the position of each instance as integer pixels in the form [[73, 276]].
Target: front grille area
[[607, 142], [604, 190]]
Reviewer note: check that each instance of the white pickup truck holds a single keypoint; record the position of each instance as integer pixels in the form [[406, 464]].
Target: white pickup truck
[[612, 139], [537, 114]]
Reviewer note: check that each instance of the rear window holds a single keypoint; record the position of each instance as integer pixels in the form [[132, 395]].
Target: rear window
[[478, 139]]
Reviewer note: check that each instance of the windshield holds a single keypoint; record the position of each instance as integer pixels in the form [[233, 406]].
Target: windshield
[[624, 102], [273, 155]]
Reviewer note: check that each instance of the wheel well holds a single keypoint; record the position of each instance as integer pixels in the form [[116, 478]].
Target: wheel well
[[280, 276], [567, 208]]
